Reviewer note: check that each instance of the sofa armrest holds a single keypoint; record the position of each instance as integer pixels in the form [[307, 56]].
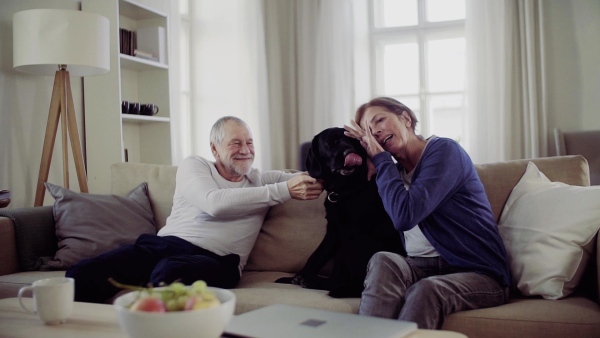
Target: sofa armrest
[[34, 235], [8, 247]]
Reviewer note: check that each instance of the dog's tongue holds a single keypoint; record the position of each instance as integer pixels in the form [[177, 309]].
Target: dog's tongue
[[352, 160]]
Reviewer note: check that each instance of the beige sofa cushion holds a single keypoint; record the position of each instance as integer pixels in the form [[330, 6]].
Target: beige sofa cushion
[[256, 289], [530, 317], [500, 178], [161, 185], [290, 233]]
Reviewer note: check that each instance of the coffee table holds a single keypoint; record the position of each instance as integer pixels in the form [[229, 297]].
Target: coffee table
[[95, 320]]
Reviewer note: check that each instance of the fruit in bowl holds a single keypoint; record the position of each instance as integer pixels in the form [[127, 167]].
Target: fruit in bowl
[[175, 310]]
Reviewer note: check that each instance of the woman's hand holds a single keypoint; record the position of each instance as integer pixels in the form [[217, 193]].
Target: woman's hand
[[304, 187], [366, 138]]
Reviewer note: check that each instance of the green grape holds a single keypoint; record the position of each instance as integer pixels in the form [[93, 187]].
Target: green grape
[[166, 296], [172, 305], [198, 287], [178, 288], [181, 300]]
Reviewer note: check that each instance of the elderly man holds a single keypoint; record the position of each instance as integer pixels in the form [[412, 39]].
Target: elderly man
[[218, 209]]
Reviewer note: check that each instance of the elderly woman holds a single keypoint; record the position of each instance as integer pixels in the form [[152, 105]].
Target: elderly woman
[[456, 259]]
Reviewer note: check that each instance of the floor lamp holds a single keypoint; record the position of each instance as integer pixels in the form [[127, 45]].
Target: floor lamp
[[46, 42]]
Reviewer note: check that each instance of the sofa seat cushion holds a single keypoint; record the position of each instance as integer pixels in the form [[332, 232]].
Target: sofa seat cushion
[[257, 289], [10, 284], [530, 317]]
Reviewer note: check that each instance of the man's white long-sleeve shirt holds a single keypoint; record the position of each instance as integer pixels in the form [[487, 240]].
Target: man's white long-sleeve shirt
[[212, 213]]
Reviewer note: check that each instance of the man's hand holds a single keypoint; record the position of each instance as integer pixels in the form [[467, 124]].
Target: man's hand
[[304, 187]]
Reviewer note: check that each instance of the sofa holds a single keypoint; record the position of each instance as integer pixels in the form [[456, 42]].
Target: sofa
[[292, 230]]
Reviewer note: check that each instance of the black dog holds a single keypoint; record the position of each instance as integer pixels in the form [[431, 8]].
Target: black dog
[[357, 224]]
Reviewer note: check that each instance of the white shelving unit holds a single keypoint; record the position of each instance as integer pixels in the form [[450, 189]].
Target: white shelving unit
[[111, 136]]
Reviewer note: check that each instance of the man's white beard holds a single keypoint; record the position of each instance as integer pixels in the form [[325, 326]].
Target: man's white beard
[[240, 169]]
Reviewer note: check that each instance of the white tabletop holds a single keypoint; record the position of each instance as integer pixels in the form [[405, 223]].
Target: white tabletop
[[94, 320], [89, 320]]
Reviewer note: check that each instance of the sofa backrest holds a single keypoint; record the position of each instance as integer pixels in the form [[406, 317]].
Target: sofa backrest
[[161, 185], [292, 230], [289, 235], [501, 177]]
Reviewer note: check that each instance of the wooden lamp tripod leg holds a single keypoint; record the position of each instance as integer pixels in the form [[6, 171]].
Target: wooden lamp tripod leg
[[74, 136], [63, 131], [61, 92], [51, 127]]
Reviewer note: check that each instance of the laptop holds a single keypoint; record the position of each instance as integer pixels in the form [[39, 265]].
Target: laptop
[[280, 320]]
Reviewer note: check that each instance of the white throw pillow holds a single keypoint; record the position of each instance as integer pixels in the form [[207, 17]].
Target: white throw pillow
[[547, 228]]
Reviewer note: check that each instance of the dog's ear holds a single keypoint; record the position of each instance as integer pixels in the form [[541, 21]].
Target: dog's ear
[[313, 159]]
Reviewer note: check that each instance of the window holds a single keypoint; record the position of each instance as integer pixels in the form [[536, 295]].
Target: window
[[419, 59]]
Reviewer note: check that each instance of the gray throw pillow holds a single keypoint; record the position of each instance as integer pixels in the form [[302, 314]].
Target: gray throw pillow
[[88, 225]]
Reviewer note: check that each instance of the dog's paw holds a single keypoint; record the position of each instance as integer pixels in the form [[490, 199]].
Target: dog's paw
[[299, 280], [284, 280], [296, 280]]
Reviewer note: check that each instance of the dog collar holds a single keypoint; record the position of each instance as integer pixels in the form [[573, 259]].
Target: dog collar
[[333, 197]]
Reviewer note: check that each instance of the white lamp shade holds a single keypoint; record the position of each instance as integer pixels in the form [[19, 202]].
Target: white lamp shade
[[46, 38]]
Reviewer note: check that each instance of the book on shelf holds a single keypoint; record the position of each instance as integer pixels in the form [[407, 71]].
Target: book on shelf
[[127, 41], [145, 55], [147, 42], [153, 40]]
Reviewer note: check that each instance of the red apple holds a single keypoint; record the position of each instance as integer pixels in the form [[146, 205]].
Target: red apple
[[149, 304]]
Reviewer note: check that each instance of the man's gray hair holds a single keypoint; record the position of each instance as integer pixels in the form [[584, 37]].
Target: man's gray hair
[[217, 133]]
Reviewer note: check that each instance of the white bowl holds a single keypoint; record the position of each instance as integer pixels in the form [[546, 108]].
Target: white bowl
[[201, 323]]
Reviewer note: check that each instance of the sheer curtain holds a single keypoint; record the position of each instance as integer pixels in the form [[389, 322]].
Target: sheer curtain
[[334, 84], [506, 103], [228, 71], [284, 66]]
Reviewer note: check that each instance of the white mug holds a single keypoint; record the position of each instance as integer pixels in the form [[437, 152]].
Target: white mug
[[52, 298]]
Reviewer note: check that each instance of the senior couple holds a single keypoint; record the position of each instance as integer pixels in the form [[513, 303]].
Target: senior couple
[[456, 260]]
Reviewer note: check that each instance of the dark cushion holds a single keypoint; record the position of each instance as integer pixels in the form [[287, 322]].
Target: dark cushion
[[88, 224]]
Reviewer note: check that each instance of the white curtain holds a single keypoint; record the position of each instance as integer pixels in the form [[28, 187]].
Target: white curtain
[[506, 103], [228, 71], [325, 66], [333, 89], [284, 66]]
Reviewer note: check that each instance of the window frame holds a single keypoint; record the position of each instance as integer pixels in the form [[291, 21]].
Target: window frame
[[422, 32]]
